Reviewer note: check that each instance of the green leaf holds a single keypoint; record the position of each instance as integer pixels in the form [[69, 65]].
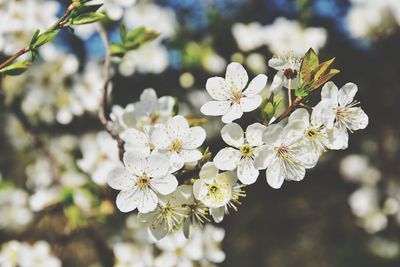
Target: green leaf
[[321, 69], [88, 9], [87, 18], [134, 34], [138, 37], [16, 68], [43, 38], [122, 32], [324, 78], [34, 37], [310, 62], [117, 50]]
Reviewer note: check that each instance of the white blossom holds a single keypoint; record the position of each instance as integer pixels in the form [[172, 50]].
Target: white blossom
[[141, 180], [230, 101], [179, 141], [243, 151], [288, 67]]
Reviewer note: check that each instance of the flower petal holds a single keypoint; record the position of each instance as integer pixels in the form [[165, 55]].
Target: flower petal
[[177, 127], [160, 138], [235, 112], [128, 200], [246, 171], [339, 138], [148, 201], [330, 92], [135, 162], [250, 103], [256, 85], [215, 108], [218, 214], [277, 63], [120, 179], [157, 165], [264, 158], [164, 185], [254, 134], [277, 82], [236, 76], [273, 135], [227, 159], [217, 88], [176, 161], [275, 175], [190, 155], [208, 171], [358, 119], [346, 94], [300, 114], [323, 114], [233, 135], [136, 140], [194, 138]]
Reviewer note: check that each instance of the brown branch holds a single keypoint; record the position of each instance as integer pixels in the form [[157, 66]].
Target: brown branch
[[296, 103], [60, 23], [103, 115]]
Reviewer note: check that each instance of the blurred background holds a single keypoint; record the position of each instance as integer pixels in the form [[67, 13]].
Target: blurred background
[[345, 213]]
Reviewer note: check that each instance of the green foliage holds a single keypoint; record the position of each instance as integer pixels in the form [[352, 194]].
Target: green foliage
[[132, 40], [16, 68], [87, 18], [269, 107], [39, 39], [314, 74], [75, 216]]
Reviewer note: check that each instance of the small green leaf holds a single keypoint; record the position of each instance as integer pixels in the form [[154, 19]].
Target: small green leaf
[[321, 69], [34, 37], [43, 38], [122, 32], [87, 9], [87, 18], [16, 68], [309, 63], [134, 34], [117, 50], [324, 78]]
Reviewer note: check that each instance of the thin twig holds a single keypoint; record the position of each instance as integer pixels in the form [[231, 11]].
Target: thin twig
[[103, 115], [290, 92], [60, 23], [296, 103]]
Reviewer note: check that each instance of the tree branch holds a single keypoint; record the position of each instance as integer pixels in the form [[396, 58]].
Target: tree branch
[[103, 115], [296, 103]]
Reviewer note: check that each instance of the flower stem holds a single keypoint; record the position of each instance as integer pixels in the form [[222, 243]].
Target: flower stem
[[289, 92]]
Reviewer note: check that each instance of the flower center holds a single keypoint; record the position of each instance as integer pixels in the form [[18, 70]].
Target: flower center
[[153, 118], [246, 151], [290, 73], [143, 182], [282, 151], [176, 146], [236, 96]]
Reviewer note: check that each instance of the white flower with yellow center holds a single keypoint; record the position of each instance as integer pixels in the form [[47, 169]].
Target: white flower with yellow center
[[284, 154], [179, 141], [141, 180], [169, 214], [345, 113], [230, 101], [217, 190], [243, 151]]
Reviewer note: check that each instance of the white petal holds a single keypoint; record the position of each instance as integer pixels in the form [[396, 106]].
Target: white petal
[[250, 103], [136, 162], [265, 155], [330, 92], [200, 190], [148, 201], [215, 108], [323, 114], [164, 185], [246, 171], [190, 155], [157, 165], [208, 171], [256, 85], [128, 200], [235, 112], [273, 135], [233, 135], [307, 154], [176, 161], [300, 114], [136, 140], [277, 82], [347, 93], [277, 63], [218, 214], [227, 158], [177, 127], [275, 175], [120, 179], [194, 138], [217, 88], [160, 138], [339, 138], [254, 134], [358, 119], [236, 76]]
